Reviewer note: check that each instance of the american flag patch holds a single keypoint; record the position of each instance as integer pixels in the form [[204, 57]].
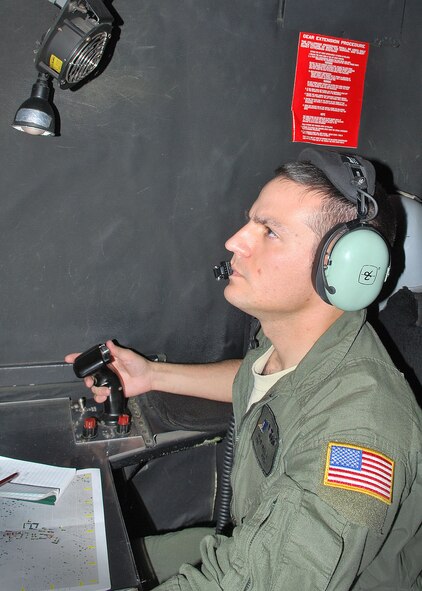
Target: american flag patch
[[358, 468]]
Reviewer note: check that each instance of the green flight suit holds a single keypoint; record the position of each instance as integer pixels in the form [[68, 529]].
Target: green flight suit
[[296, 531]]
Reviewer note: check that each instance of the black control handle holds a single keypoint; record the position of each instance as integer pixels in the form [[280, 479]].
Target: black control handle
[[94, 362]]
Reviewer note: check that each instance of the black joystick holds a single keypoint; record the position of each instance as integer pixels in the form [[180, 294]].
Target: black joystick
[[94, 363]]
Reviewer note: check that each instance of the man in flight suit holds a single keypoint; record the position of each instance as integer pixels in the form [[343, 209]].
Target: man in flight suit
[[327, 473]]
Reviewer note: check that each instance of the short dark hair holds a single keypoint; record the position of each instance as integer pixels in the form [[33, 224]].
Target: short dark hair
[[336, 208]]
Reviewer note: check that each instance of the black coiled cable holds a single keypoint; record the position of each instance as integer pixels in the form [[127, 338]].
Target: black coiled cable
[[223, 513], [224, 522]]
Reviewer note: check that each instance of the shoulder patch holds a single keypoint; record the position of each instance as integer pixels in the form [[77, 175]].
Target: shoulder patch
[[361, 469]]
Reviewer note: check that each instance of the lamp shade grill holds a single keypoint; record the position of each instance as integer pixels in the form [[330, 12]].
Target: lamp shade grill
[[73, 47]]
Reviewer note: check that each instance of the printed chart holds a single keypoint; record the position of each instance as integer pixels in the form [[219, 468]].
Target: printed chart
[[60, 547]]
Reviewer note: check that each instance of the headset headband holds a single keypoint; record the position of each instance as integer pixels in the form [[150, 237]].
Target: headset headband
[[349, 173]]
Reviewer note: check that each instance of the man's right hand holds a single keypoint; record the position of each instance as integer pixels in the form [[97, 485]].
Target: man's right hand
[[133, 370], [139, 375]]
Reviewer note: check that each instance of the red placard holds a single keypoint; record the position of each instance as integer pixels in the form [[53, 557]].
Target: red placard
[[328, 90]]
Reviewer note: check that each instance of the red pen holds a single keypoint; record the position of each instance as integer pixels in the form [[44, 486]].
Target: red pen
[[8, 478]]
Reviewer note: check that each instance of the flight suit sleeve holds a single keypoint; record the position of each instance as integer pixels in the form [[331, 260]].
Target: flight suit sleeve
[[292, 540]]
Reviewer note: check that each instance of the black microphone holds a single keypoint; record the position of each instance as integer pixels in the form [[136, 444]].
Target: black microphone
[[330, 288], [223, 270]]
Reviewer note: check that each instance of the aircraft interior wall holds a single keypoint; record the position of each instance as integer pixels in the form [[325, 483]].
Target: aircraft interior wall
[[112, 228]]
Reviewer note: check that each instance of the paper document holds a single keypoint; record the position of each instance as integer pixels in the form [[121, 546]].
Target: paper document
[[34, 481], [62, 546]]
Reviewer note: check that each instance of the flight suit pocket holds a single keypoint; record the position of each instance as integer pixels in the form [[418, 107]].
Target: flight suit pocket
[[314, 547]]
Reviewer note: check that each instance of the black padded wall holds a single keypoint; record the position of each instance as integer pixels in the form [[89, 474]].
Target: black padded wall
[[112, 228]]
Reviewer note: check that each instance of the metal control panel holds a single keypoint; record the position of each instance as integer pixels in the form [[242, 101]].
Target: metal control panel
[[90, 425]]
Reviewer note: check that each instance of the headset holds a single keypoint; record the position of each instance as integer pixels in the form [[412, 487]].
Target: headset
[[352, 261]]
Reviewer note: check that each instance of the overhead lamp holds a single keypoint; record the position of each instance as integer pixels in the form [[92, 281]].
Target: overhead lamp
[[36, 115], [69, 52]]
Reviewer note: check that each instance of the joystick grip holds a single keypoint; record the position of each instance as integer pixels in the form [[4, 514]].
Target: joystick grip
[[93, 362]]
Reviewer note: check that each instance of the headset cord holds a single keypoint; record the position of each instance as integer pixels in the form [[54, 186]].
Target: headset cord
[[224, 521], [223, 514]]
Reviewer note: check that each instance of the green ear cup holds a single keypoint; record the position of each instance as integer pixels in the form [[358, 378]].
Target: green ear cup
[[351, 265]]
